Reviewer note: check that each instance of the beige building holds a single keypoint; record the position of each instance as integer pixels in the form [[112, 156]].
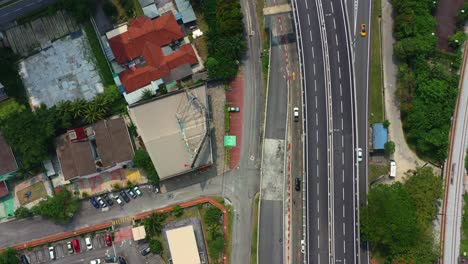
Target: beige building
[[183, 245], [174, 129]]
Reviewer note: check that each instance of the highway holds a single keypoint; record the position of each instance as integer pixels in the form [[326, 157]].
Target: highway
[[20, 8], [330, 133], [454, 174]]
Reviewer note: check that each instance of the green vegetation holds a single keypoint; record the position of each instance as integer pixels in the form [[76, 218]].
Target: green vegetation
[[80, 10], [376, 95], [389, 148], [177, 211], [9, 76], [227, 119], [386, 123], [215, 239], [59, 208], [398, 218], [100, 58], [253, 248], [427, 79], [462, 15], [466, 161], [10, 106], [375, 171], [156, 246], [9, 256], [154, 224], [225, 37], [23, 212], [142, 160], [464, 235]]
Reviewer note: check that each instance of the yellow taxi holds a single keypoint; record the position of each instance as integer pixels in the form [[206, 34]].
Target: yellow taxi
[[363, 30]]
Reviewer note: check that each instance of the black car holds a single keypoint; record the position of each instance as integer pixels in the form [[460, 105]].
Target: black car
[[108, 199], [145, 251], [24, 259], [132, 193], [110, 259], [122, 260], [125, 196], [298, 184], [93, 201]]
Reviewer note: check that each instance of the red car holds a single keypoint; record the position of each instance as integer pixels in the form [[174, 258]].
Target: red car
[[76, 246], [108, 240]]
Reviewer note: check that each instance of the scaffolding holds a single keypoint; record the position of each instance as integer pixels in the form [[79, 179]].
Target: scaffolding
[[192, 120]]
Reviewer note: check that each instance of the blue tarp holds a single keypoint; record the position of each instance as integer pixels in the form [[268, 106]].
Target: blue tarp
[[380, 136]]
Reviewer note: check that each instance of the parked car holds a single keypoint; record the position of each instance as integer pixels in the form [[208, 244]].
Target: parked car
[[298, 184], [156, 189], [69, 247], [118, 200], [76, 245], [233, 109], [359, 154], [95, 261], [122, 260], [89, 245], [93, 201], [108, 199], [137, 191], [131, 193], [124, 196], [110, 259], [52, 253], [108, 240], [24, 259], [101, 202], [145, 251]]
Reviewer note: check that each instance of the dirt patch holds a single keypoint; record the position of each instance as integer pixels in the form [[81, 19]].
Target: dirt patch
[[37, 191], [217, 97], [446, 14]]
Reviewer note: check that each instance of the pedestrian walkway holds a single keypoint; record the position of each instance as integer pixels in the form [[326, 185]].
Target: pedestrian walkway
[[235, 97]]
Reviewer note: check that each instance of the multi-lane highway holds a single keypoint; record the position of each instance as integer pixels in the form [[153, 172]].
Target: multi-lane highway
[[330, 131]]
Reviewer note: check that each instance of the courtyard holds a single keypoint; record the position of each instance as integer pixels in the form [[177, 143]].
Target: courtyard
[[65, 71]]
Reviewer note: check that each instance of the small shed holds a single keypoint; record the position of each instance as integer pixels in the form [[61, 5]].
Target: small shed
[[138, 233], [379, 136]]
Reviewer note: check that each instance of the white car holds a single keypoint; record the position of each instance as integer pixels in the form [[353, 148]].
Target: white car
[[359, 154], [296, 113], [101, 202], [302, 246], [52, 253], [118, 200], [95, 261], [89, 246], [137, 191]]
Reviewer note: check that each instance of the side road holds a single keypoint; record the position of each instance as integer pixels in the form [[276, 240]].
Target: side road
[[100, 226], [404, 156]]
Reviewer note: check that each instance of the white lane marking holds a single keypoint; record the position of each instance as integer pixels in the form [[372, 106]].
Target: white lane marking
[[344, 229], [313, 53], [318, 208], [341, 124], [339, 72], [306, 4], [331, 4], [316, 137], [343, 196], [315, 85], [315, 102], [341, 90], [318, 189], [341, 105], [308, 19], [314, 68], [334, 23], [344, 246], [343, 212], [336, 40], [342, 158], [338, 55], [318, 240], [342, 176], [310, 32], [342, 144]]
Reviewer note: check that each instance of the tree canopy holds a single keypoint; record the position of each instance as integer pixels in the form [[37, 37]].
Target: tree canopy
[[9, 256], [143, 160], [59, 208]]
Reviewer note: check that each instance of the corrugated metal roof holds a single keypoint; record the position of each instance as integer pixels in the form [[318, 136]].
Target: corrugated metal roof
[[380, 136]]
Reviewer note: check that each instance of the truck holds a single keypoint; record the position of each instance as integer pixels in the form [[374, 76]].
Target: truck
[[392, 172]]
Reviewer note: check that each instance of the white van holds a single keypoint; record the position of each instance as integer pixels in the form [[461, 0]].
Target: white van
[[52, 253], [392, 172], [302, 246]]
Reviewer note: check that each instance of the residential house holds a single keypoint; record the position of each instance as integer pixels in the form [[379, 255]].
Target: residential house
[[88, 151], [150, 52], [8, 166]]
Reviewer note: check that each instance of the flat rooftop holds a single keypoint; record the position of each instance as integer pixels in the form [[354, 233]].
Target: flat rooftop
[[183, 245], [174, 129]]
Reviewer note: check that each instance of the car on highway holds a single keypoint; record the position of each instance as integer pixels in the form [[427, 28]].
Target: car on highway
[[302, 246], [52, 253], [70, 247], [24, 259], [296, 113], [131, 193], [137, 191], [93, 201], [233, 109], [124, 196], [101, 202], [108, 240], [88, 243], [363, 30], [298, 184], [108, 199], [145, 251], [76, 245], [359, 154], [95, 261]]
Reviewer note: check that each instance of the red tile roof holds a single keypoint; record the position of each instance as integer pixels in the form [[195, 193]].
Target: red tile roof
[[145, 37]]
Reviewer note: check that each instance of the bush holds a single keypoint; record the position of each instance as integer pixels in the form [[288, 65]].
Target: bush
[[109, 9], [155, 246], [212, 216], [9, 76], [23, 212], [59, 208], [130, 184], [389, 148], [178, 211], [85, 195], [142, 160], [386, 124], [9, 256], [154, 224], [116, 187]]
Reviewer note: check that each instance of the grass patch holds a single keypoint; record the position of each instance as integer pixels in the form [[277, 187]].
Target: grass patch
[[464, 235], [253, 247], [200, 43], [138, 9], [230, 220], [376, 100], [101, 61], [37, 191], [375, 171], [227, 119]]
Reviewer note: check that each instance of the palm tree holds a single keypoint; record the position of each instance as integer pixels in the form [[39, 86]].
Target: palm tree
[[146, 95], [78, 108]]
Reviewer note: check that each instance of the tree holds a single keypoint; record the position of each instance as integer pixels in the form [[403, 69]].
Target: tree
[[81, 10], [146, 95], [9, 76], [156, 246], [178, 211], [389, 220], [386, 123], [10, 106], [389, 148], [59, 208], [9, 256], [23, 212], [143, 160], [216, 244], [109, 9], [457, 39], [212, 216], [154, 224]]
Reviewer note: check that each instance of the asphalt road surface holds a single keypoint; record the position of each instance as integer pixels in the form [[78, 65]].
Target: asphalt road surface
[[328, 82], [20, 8]]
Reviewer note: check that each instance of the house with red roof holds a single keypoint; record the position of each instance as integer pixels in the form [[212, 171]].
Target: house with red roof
[[150, 53]]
